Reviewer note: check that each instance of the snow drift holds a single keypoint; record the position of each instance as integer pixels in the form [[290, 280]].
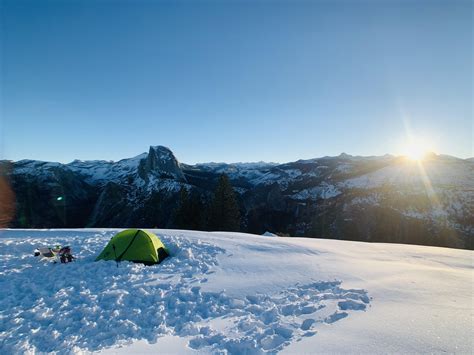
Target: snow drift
[[233, 293]]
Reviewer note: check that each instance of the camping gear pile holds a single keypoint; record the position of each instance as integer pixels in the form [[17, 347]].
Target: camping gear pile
[[136, 245], [56, 254]]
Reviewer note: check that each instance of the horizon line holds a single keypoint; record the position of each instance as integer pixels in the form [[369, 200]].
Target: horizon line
[[342, 154]]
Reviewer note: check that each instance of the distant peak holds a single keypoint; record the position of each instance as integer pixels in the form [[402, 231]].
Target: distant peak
[[159, 152], [160, 149], [345, 155], [161, 161]]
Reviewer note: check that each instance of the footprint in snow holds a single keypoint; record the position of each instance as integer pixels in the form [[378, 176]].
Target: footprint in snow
[[94, 305], [269, 323]]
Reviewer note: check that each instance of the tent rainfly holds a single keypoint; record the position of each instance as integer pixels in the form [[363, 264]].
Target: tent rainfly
[[135, 245]]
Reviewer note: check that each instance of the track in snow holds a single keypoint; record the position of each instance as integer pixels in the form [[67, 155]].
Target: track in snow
[[91, 306]]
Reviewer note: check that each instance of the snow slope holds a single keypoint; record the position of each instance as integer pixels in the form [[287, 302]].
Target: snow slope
[[235, 293]]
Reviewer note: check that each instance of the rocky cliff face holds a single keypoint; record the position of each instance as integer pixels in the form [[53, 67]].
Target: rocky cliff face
[[384, 198], [161, 163]]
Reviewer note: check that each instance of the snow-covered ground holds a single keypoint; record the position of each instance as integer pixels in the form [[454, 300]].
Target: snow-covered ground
[[235, 293]]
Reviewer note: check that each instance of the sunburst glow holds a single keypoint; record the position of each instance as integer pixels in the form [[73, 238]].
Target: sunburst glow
[[416, 150]]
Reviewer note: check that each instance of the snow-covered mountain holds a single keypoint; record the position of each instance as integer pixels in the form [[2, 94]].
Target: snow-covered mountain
[[234, 293], [383, 198]]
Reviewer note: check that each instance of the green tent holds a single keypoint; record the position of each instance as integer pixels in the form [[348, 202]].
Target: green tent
[[134, 245]]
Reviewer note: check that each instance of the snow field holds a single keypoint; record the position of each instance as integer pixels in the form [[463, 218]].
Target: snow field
[[91, 306]]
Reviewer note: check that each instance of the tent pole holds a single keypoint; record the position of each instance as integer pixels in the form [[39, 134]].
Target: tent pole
[[113, 246]]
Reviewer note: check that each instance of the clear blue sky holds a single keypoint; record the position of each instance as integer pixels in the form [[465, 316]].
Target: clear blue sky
[[234, 80]]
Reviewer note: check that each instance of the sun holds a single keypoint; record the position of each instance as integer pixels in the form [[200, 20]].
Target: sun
[[416, 150]]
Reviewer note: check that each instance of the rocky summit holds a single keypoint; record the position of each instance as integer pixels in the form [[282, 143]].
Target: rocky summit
[[383, 199]]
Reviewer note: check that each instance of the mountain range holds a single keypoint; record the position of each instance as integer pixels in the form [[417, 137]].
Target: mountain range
[[380, 199]]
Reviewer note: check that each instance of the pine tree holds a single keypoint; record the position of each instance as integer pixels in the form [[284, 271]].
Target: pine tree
[[182, 210], [196, 213], [189, 213], [224, 214]]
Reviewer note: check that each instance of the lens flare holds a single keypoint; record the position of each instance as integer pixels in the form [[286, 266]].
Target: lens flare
[[416, 151], [7, 203]]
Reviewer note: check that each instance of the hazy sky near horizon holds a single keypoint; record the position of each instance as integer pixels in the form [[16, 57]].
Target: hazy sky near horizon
[[234, 80]]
